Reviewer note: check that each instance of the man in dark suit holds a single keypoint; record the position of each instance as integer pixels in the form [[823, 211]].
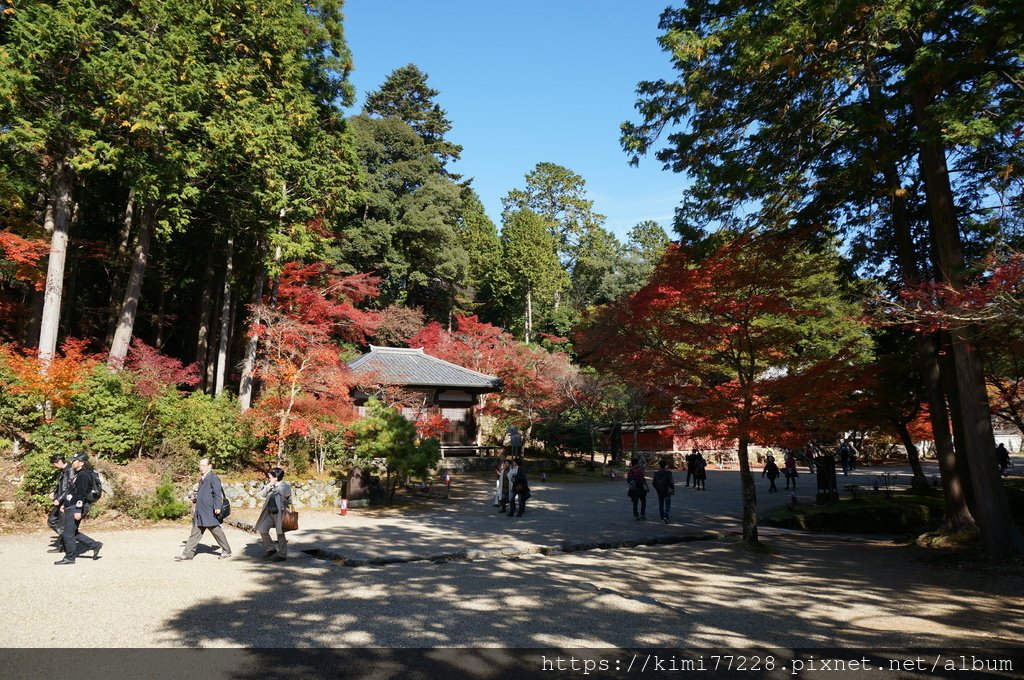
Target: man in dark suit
[[55, 521], [75, 506], [208, 500]]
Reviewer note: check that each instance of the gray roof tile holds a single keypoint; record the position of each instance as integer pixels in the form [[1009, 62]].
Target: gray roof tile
[[402, 366]]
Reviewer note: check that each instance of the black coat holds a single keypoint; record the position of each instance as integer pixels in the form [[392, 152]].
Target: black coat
[[77, 497]]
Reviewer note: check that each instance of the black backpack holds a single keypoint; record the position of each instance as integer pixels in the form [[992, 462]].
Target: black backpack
[[95, 491]]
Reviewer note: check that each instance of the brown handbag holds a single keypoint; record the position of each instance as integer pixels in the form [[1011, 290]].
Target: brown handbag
[[289, 520]]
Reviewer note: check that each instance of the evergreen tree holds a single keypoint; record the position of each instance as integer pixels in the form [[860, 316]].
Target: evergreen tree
[[405, 95]]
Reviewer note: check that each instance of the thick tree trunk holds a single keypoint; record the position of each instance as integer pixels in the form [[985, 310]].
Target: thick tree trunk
[[203, 334], [957, 515], [225, 319], [999, 534], [58, 219], [133, 291]]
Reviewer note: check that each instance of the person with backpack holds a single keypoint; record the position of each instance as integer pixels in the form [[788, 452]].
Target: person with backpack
[[60, 489], [636, 484], [208, 500], [665, 487], [84, 490]]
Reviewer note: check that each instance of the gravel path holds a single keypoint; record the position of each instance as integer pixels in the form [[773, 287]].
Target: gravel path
[[497, 581]]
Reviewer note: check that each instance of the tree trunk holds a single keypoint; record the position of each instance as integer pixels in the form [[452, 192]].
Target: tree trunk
[[116, 287], [957, 515], [133, 291], [225, 319], [749, 494], [919, 481], [58, 220], [245, 385], [203, 335], [528, 330], [999, 534]]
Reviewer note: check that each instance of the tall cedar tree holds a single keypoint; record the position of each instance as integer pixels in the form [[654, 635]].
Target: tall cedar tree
[[406, 96], [754, 339]]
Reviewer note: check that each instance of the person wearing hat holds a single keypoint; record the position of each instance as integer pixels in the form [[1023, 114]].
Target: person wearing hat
[[208, 500], [54, 519], [75, 506]]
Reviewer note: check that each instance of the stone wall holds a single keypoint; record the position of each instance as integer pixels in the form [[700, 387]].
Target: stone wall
[[308, 494]]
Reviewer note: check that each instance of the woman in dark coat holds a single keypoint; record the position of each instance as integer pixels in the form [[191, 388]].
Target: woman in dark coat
[[279, 497], [700, 471], [637, 490]]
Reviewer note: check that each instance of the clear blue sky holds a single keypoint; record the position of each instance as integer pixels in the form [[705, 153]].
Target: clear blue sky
[[528, 82]]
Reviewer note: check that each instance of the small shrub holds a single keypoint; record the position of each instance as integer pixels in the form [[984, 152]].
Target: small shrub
[[163, 503]]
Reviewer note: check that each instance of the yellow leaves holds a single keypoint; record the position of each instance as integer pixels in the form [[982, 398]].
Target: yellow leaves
[[901, 193], [9, 11], [268, 62]]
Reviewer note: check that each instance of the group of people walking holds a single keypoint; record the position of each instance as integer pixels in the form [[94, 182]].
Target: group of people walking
[[73, 497], [771, 471]]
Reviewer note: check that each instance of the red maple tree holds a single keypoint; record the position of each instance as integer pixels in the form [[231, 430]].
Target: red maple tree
[[749, 338], [305, 381]]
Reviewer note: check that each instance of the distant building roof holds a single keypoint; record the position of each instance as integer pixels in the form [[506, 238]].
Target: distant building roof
[[403, 366]]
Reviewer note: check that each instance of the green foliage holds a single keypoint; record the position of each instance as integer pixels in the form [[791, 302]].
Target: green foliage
[[164, 503], [406, 96], [529, 271], [107, 415], [386, 434], [39, 477], [209, 426]]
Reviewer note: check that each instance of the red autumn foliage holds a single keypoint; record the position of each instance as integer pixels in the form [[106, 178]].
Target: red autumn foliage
[[54, 381], [156, 373], [527, 374], [995, 295], [722, 333], [25, 254], [431, 424], [305, 381]]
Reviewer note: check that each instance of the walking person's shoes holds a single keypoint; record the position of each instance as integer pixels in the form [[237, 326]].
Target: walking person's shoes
[[224, 556], [181, 558], [665, 520], [96, 550], [55, 550], [270, 553], [278, 558], [64, 561]]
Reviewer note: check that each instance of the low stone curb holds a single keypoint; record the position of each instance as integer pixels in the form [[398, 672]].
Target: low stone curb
[[506, 553]]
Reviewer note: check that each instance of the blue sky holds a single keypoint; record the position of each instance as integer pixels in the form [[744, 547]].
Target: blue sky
[[528, 82]]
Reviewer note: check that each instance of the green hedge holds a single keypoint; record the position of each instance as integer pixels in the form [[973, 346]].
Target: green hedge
[[901, 514]]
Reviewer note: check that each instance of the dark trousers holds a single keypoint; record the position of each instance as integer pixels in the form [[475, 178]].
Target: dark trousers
[[640, 498], [689, 476], [772, 487], [664, 505], [72, 537], [56, 522], [512, 503], [197, 533]]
